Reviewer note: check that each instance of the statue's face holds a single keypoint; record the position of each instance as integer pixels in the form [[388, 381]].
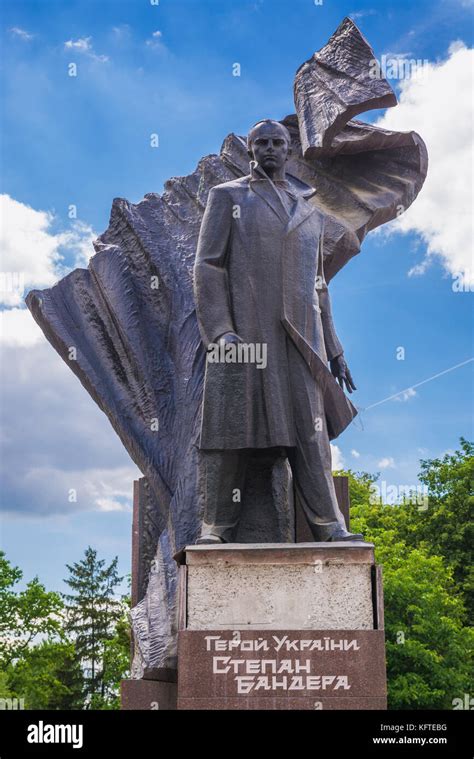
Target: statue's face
[[269, 147]]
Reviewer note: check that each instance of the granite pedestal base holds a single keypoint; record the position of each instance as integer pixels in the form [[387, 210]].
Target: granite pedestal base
[[281, 626], [156, 691]]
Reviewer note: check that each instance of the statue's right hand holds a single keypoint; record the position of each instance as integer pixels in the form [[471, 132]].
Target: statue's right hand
[[230, 338]]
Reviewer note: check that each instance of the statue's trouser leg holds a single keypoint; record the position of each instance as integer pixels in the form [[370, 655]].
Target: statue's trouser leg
[[310, 459], [223, 478]]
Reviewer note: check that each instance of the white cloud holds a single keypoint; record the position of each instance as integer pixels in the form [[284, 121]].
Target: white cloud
[[27, 248], [386, 463], [438, 105], [39, 392], [84, 45], [406, 395], [337, 458], [21, 33], [121, 31], [155, 41], [56, 440], [17, 327], [79, 241], [362, 14], [69, 490], [355, 453], [393, 56], [31, 255], [109, 504]]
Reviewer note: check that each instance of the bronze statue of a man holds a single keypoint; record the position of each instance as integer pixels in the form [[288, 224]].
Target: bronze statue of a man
[[260, 292]]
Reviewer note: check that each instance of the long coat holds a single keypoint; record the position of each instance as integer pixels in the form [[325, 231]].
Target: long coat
[[259, 273]]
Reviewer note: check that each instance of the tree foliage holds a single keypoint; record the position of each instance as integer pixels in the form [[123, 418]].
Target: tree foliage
[[48, 676], [57, 656], [93, 613], [25, 615], [424, 554], [446, 527]]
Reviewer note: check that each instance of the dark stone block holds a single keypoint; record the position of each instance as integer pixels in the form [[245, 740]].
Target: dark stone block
[[288, 704], [148, 695], [350, 674]]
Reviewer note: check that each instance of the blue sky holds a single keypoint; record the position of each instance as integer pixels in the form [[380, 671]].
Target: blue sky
[[84, 140]]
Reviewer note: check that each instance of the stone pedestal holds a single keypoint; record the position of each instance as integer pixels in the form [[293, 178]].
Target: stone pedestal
[[149, 694], [281, 626]]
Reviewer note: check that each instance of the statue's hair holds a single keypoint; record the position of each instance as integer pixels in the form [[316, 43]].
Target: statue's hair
[[267, 121]]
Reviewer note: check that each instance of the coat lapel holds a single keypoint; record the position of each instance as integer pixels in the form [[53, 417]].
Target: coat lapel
[[302, 210], [264, 190], [262, 186]]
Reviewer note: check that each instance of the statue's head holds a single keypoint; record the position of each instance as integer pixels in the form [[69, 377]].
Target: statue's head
[[269, 143]]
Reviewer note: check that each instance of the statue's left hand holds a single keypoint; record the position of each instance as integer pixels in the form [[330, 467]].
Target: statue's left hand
[[341, 372]]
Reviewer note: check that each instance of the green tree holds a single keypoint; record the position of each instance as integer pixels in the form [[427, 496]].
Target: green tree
[[427, 643], [48, 676], [116, 663], [5, 688], [26, 615], [446, 526], [93, 612]]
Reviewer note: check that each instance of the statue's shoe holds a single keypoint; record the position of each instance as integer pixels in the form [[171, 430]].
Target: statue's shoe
[[342, 534], [209, 540]]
